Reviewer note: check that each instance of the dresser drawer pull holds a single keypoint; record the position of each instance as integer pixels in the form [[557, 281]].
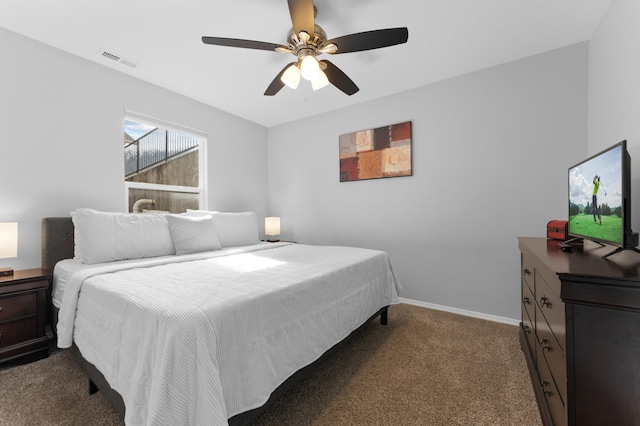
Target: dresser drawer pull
[[545, 345], [527, 329], [1, 309], [525, 300], [526, 271], [544, 301]]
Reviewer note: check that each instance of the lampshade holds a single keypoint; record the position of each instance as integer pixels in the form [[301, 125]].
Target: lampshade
[[272, 226], [320, 81], [309, 67], [8, 240], [291, 77]]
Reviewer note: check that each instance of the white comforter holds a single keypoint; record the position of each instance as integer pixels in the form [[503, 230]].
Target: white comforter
[[196, 342]]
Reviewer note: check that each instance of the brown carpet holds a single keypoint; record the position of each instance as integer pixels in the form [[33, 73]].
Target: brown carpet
[[425, 367]]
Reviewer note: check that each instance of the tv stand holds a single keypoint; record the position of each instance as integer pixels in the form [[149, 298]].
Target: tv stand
[[631, 243], [619, 249], [569, 244]]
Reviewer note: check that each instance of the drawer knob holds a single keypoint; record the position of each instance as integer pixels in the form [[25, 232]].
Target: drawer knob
[[526, 271], [527, 329], [545, 391], [544, 301], [526, 301], [545, 345]]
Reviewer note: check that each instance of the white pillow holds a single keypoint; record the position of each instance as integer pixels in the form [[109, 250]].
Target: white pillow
[[192, 234], [105, 236], [232, 229]]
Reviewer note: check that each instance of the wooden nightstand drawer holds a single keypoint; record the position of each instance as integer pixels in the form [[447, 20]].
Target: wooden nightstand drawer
[[18, 331], [17, 306]]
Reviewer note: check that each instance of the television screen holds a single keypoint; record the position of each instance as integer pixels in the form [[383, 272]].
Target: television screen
[[597, 196]]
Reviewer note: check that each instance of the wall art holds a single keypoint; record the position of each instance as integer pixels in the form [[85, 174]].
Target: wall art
[[376, 153]]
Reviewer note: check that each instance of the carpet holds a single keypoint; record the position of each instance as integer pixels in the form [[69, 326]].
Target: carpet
[[425, 367]]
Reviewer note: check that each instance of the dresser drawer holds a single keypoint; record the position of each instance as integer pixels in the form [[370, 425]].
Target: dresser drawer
[[550, 391], [552, 307], [527, 272], [528, 301], [552, 355], [529, 333], [18, 331], [17, 306]]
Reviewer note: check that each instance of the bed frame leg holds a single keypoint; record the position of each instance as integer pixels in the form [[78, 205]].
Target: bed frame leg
[[383, 317], [92, 387]]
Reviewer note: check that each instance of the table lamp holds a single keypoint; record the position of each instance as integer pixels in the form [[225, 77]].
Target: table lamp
[[8, 244], [272, 227]]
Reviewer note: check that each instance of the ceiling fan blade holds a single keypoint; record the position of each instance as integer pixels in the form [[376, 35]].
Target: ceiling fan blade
[[277, 84], [339, 79], [302, 16], [246, 44], [370, 40]]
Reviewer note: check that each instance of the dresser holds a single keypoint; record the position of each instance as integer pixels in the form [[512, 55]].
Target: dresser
[[580, 332], [23, 315]]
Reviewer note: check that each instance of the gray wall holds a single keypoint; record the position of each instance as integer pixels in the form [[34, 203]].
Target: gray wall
[[490, 156], [61, 122], [490, 149], [614, 88]]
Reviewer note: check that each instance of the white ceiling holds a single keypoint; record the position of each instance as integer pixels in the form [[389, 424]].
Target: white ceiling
[[446, 38]]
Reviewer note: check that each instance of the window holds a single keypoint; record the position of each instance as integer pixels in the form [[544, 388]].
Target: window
[[164, 165]]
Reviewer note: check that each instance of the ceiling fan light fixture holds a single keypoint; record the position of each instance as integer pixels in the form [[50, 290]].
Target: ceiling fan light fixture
[[320, 81], [309, 67], [291, 77], [306, 40]]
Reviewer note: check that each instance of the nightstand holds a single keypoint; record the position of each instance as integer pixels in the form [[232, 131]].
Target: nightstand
[[23, 315]]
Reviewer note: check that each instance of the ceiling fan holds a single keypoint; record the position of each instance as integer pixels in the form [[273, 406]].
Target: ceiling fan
[[306, 41]]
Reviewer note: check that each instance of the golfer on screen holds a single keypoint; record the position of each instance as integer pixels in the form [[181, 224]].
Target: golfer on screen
[[594, 199]]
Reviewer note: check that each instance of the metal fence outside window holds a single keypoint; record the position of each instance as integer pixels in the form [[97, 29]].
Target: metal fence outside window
[[155, 147]]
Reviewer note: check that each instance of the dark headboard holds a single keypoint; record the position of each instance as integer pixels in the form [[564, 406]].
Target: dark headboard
[[57, 241]]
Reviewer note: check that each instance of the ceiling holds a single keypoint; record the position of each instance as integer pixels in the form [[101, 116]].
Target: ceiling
[[163, 37]]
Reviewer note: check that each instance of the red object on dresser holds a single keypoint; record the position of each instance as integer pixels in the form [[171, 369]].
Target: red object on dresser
[[558, 230]]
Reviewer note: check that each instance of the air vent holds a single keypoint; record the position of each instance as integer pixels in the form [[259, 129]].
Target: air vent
[[116, 58]]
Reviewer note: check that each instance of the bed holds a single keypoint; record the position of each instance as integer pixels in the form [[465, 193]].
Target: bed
[[177, 329]]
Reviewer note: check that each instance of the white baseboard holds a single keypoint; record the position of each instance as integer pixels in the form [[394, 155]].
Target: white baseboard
[[464, 312]]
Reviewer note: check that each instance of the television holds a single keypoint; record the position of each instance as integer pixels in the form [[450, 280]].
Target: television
[[600, 199]]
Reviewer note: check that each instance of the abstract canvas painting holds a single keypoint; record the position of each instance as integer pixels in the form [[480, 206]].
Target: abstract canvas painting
[[376, 153]]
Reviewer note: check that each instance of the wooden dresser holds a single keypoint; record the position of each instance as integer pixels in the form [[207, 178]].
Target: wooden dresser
[[580, 332]]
